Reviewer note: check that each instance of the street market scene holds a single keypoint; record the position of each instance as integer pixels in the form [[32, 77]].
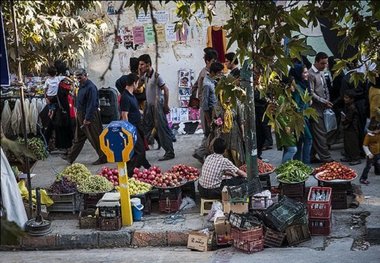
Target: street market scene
[[210, 131]]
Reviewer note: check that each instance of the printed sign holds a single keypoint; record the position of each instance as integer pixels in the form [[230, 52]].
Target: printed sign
[[138, 35], [149, 34], [170, 33], [144, 18], [161, 16], [160, 29]]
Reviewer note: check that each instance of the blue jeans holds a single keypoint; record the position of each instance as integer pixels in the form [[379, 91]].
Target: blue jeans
[[289, 153], [304, 150]]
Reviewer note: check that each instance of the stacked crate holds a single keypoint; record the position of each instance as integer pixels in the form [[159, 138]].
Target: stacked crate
[[248, 240], [319, 210], [109, 212], [295, 191]]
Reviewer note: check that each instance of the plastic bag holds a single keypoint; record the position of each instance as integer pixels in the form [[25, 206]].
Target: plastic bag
[[216, 206], [330, 120]]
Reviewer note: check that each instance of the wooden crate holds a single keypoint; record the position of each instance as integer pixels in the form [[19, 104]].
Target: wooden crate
[[249, 246], [273, 238], [64, 202], [109, 224], [85, 221], [296, 234]]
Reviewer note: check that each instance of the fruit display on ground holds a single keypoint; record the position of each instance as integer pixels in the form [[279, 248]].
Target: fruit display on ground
[[334, 171], [293, 171], [137, 188], [111, 174], [185, 172], [63, 186], [76, 173], [147, 175], [95, 184], [262, 166]]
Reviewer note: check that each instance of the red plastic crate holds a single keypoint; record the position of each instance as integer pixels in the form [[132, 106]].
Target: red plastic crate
[[320, 227], [322, 208], [249, 246], [247, 235]]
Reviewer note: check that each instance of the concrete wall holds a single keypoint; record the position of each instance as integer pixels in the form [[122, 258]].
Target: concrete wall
[[172, 55]]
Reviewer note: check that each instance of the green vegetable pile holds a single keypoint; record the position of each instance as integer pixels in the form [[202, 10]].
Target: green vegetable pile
[[95, 184], [76, 173], [293, 171], [36, 146]]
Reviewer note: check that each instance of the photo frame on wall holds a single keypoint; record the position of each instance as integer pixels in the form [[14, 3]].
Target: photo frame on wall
[[184, 78]]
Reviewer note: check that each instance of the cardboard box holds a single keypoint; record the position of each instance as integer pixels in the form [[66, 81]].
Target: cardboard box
[[225, 195], [222, 226], [239, 208], [200, 241]]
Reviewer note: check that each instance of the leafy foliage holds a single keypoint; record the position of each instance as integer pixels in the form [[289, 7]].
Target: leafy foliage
[[51, 30]]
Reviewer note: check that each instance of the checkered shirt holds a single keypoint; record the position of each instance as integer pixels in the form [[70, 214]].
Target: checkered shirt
[[213, 170]]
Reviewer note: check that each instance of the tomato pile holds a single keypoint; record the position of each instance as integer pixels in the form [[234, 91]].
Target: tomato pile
[[263, 167], [334, 171], [110, 174]]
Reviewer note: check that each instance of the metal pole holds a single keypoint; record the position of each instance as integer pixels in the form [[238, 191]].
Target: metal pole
[[20, 84]]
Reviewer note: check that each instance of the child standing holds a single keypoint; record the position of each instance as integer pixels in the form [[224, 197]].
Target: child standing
[[371, 147], [351, 132]]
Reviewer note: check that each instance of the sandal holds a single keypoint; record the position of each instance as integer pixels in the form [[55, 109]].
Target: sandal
[[364, 181]]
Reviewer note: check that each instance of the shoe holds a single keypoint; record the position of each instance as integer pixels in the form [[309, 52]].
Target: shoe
[[174, 139], [66, 158], [99, 161], [364, 181], [355, 162], [345, 160], [166, 157]]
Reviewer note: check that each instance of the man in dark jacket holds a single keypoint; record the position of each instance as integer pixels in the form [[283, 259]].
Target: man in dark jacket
[[88, 124]]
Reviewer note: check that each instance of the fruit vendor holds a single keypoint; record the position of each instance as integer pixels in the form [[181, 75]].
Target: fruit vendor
[[218, 171]]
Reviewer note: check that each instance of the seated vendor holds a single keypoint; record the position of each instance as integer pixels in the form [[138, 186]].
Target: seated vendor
[[218, 171]]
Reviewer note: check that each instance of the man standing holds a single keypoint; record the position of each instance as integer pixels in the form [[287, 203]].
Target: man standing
[[232, 64], [155, 109], [130, 112], [88, 124], [321, 101], [209, 57]]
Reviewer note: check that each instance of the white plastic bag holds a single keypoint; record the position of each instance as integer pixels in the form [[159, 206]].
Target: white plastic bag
[[216, 210], [330, 120]]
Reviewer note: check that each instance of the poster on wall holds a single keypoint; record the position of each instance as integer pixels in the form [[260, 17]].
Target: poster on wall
[[144, 18], [149, 34], [160, 29], [128, 38], [170, 33], [183, 114], [184, 78], [138, 35], [161, 16]]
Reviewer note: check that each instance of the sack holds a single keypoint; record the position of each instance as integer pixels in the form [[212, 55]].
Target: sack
[[61, 118], [330, 120]]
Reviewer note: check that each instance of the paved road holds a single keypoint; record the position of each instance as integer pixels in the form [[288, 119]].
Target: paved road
[[183, 255]]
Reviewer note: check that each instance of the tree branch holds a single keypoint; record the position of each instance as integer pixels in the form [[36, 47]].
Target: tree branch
[[119, 11]]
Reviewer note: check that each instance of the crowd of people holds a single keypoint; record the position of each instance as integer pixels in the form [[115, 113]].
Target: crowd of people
[[144, 102]]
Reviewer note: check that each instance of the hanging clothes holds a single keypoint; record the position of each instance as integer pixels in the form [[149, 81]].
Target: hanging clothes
[[40, 105], [33, 116], [16, 118], [6, 118], [26, 111], [216, 38]]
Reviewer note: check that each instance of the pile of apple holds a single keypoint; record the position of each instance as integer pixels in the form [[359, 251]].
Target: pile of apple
[[147, 175], [167, 180], [185, 172], [111, 174]]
